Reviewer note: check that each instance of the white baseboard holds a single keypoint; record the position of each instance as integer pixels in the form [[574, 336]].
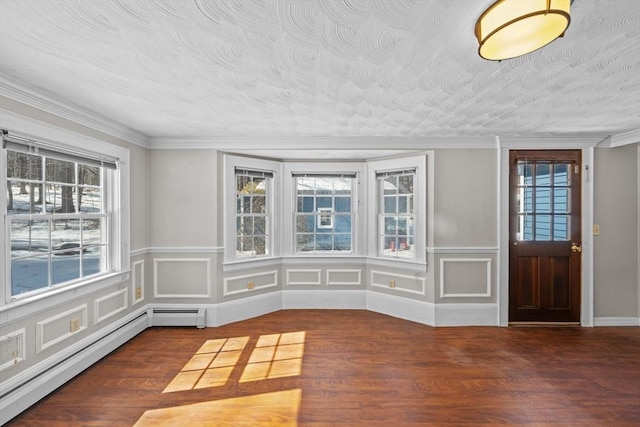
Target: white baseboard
[[466, 315], [616, 321], [245, 308], [402, 308], [36, 382], [326, 299]]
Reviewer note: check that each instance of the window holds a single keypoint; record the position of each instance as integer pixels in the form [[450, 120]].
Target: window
[[396, 213], [58, 216], [324, 213], [252, 212]]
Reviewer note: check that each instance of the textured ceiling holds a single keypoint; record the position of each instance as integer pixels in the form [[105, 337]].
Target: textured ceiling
[[324, 68]]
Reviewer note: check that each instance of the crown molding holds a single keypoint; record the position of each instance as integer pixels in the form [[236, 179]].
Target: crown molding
[[40, 99], [621, 139], [550, 142], [322, 142]]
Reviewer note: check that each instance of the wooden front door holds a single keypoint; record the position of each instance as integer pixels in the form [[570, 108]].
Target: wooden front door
[[544, 236]]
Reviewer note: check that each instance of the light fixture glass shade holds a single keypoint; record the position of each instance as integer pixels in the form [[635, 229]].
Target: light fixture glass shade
[[511, 28]]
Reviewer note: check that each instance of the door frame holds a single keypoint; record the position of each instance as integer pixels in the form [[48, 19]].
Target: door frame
[[587, 146]]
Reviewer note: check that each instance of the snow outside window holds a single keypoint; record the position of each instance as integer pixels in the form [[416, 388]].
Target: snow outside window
[[58, 219]]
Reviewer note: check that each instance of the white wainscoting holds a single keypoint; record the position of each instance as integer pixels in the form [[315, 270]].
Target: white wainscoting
[[137, 281], [344, 277], [327, 299], [398, 282], [247, 283], [57, 328], [481, 274], [181, 278], [13, 348], [307, 277], [110, 305]]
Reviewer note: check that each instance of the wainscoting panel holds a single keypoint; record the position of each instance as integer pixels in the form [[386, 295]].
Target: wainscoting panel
[[398, 282], [110, 305], [57, 328], [465, 277], [137, 282], [249, 282], [181, 278], [304, 277], [13, 348], [344, 277]]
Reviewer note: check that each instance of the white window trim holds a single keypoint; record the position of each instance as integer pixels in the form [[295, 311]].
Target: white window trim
[[232, 162], [423, 198], [119, 203], [289, 204]]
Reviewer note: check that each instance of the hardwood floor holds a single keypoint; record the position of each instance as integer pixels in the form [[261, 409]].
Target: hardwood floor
[[355, 368]]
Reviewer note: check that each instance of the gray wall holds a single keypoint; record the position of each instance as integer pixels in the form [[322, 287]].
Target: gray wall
[[616, 196]]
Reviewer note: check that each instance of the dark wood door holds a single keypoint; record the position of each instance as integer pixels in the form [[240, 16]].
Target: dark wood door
[[544, 236]]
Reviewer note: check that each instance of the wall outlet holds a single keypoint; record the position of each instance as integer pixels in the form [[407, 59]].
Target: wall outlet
[[74, 325], [596, 229], [392, 284], [138, 293]]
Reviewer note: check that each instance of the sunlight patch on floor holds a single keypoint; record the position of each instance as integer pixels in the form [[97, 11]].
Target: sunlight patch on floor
[[275, 356], [279, 408], [211, 366]]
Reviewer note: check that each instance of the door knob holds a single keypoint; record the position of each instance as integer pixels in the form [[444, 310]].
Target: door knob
[[576, 248]]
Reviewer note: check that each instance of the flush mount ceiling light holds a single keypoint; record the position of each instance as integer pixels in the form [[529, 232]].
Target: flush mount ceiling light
[[511, 28]]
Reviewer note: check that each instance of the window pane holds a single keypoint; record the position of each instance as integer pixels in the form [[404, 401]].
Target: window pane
[[258, 205], [324, 202], [342, 224], [24, 166], [61, 199], [390, 185], [305, 243], [29, 274], [390, 205], [65, 235], [259, 226], [258, 186], [390, 226], [88, 175], [342, 204], [543, 200], [90, 200], [65, 266], [92, 231], [29, 237], [305, 204], [260, 247], [561, 174], [543, 227], [243, 184], [561, 200], [305, 224], [244, 245], [405, 184], [543, 173], [24, 197], [61, 171], [324, 242], [342, 242], [561, 227], [92, 260]]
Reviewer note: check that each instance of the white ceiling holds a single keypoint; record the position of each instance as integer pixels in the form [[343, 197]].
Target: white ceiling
[[197, 70]]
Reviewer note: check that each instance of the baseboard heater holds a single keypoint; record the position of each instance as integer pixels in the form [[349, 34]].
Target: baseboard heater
[[177, 317]]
